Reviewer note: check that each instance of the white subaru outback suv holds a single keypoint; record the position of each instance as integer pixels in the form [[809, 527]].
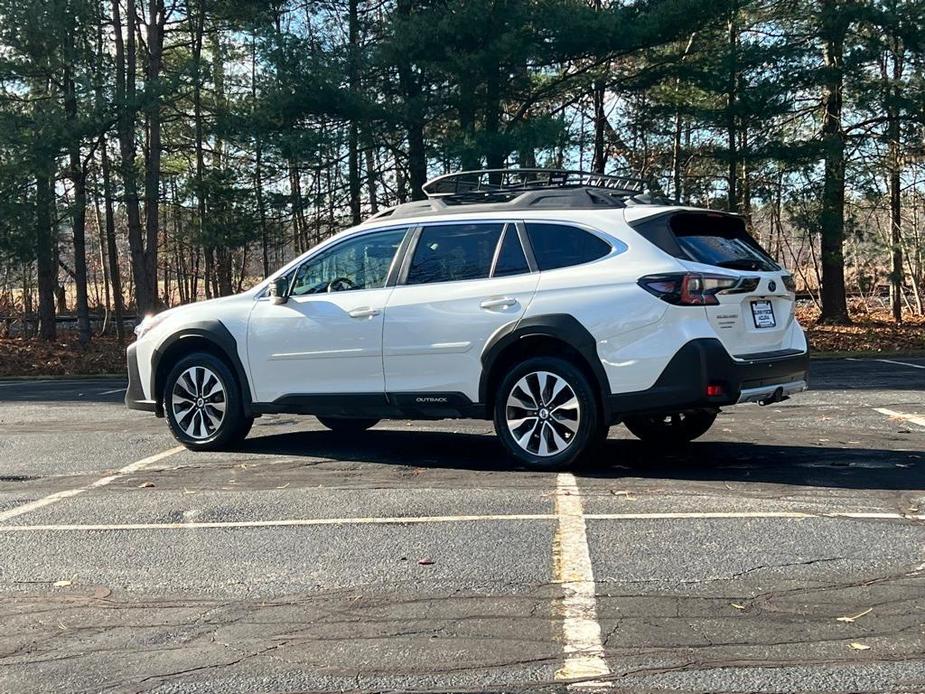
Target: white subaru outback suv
[[556, 303]]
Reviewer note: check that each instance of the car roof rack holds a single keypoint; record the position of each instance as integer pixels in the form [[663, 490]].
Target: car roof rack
[[504, 190], [484, 185]]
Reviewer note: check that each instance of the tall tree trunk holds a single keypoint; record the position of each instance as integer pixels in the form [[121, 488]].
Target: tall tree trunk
[[78, 175], [258, 169], [414, 122], [832, 222], [125, 125], [115, 274], [598, 94], [155, 44], [895, 174], [47, 267], [371, 180], [731, 108], [353, 137]]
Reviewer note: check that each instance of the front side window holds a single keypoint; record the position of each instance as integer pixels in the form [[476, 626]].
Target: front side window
[[454, 252], [360, 263], [561, 245]]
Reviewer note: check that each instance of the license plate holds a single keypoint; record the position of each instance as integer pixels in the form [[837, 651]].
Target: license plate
[[763, 313]]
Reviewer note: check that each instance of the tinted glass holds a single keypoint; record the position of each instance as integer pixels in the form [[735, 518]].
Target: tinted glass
[[453, 252], [360, 263], [511, 258], [725, 250], [560, 245]]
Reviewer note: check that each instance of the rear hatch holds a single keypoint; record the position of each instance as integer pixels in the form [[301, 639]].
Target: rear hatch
[[751, 318]]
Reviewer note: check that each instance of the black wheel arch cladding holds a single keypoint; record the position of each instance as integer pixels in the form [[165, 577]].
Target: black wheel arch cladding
[[220, 340], [558, 326]]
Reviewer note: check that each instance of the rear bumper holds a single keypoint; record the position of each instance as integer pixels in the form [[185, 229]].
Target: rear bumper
[[135, 393], [705, 362]]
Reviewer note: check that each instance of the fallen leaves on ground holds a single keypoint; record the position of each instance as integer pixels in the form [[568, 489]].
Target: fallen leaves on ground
[[25, 356], [871, 330]]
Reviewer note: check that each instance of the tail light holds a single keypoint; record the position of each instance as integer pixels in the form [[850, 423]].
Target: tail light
[[789, 283], [688, 289]]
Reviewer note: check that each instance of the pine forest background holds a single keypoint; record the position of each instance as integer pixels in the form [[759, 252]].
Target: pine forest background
[[157, 152]]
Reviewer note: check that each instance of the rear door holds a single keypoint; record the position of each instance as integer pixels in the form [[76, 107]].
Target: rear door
[[757, 315], [462, 283]]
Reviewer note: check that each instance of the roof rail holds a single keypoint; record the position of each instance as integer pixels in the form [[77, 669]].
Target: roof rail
[[487, 185]]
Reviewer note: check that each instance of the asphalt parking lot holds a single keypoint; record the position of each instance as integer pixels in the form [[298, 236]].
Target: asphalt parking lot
[[785, 551]]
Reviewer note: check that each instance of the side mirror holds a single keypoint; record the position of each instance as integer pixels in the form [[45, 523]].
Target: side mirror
[[279, 291]]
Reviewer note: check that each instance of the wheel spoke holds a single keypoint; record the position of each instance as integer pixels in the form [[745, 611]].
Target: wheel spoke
[[523, 397], [533, 383], [558, 441], [188, 384], [524, 440], [190, 422], [569, 424], [517, 423]]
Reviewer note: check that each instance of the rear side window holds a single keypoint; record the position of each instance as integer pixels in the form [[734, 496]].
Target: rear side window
[[561, 245], [454, 252], [511, 258]]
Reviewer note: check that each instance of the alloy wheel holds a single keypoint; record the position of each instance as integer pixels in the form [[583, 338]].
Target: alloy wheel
[[543, 413], [198, 401]]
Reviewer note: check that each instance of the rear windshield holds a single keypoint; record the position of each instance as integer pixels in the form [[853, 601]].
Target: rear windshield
[[708, 237]]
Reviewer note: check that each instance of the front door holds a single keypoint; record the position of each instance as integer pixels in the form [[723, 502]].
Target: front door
[[327, 338], [464, 282]]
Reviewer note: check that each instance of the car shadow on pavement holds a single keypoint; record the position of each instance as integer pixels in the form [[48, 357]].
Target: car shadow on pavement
[[819, 466]]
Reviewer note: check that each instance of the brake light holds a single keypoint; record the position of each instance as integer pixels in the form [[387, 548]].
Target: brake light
[[688, 289]]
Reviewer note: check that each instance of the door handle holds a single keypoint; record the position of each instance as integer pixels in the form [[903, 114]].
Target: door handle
[[503, 302], [364, 312]]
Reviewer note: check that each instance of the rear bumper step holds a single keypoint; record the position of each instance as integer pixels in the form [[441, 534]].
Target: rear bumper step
[[762, 378]]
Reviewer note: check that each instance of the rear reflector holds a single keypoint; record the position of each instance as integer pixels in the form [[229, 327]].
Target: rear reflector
[[713, 390]]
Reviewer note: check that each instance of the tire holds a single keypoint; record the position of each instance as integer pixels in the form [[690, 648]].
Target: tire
[[553, 435], [675, 428], [347, 425], [194, 392]]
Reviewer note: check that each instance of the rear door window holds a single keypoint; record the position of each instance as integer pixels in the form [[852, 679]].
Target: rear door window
[[454, 252], [562, 245]]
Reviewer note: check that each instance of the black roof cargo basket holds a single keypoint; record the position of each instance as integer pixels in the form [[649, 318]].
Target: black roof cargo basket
[[503, 185], [507, 190]]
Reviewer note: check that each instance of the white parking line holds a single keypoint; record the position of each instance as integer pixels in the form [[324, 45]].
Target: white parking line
[[915, 419], [584, 648], [110, 392], [900, 363], [102, 482], [418, 520], [279, 523], [887, 361]]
